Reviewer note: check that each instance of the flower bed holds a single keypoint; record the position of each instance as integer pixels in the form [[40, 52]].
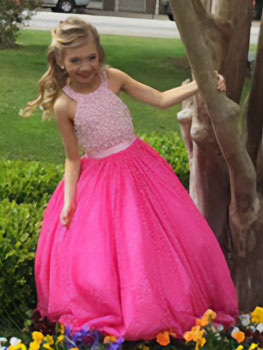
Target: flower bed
[[246, 334]]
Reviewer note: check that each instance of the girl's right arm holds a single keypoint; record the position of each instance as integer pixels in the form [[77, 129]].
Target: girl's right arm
[[165, 99], [63, 111]]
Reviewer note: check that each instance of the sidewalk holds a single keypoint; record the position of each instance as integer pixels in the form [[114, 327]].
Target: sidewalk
[[124, 14]]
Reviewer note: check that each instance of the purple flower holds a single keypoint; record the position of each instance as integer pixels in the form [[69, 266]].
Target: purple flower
[[96, 336], [78, 336], [68, 331], [117, 345]]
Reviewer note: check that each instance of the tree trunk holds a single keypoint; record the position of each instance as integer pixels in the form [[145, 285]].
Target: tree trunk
[[223, 174], [255, 109]]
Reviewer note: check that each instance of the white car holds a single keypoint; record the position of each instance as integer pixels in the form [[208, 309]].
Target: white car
[[66, 6]]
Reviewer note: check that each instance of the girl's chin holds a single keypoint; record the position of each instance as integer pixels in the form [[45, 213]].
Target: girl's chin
[[83, 77]]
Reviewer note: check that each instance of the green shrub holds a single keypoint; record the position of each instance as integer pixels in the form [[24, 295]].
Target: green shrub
[[172, 148], [19, 229], [28, 182], [12, 14]]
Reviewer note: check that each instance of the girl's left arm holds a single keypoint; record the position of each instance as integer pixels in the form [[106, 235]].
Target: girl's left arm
[[154, 97]]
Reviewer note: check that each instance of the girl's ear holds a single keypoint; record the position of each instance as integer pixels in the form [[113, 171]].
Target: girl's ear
[[59, 62]]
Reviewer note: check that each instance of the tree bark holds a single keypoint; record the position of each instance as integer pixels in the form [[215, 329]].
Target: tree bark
[[235, 63], [219, 158], [255, 108]]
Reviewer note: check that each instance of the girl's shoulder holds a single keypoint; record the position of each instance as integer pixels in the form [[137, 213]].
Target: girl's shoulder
[[116, 78], [114, 73], [65, 106]]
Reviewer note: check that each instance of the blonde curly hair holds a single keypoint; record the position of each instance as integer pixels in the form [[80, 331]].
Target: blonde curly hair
[[70, 33]]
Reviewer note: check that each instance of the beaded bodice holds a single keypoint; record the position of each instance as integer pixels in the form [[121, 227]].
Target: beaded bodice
[[102, 120]]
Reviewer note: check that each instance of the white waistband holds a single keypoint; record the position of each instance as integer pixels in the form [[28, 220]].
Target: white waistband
[[115, 149]]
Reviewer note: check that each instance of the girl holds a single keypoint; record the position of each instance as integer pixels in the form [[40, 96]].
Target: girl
[[123, 249]]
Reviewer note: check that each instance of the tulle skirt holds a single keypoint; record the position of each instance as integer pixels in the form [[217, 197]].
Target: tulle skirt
[[138, 257]]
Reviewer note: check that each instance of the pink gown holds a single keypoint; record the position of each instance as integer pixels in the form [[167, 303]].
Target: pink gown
[[138, 257]]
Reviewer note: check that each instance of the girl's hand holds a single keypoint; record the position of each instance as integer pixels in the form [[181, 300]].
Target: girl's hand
[[221, 84], [67, 214]]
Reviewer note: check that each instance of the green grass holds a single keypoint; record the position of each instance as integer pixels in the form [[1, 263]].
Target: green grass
[[160, 63]]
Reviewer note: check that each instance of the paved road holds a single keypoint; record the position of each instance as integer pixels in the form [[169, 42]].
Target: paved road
[[120, 25]]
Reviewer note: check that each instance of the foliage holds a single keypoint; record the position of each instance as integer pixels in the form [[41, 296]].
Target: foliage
[[13, 13], [25, 188], [28, 182], [206, 334], [19, 229], [171, 147]]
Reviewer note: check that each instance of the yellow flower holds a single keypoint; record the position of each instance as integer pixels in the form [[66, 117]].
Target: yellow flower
[[38, 337], [49, 339], [240, 347], [257, 315], [174, 335], [145, 347], [163, 338], [196, 334], [200, 343], [34, 345], [74, 348], [210, 314], [207, 317], [60, 338], [62, 328], [19, 346], [16, 344], [47, 346], [239, 336], [253, 346], [109, 339], [188, 336], [202, 322]]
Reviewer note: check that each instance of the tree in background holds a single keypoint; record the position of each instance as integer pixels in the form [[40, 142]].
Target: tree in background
[[223, 137], [12, 14]]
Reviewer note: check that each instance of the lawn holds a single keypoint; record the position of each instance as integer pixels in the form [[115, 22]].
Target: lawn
[[160, 63]]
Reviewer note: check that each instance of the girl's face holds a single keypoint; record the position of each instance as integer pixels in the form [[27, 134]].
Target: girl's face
[[82, 63]]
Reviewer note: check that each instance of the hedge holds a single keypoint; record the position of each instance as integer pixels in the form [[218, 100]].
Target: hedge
[[28, 182], [19, 229]]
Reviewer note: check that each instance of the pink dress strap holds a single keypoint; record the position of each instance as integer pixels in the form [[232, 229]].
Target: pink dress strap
[[71, 93], [103, 76]]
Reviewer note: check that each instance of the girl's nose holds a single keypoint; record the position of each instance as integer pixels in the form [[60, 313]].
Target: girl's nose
[[85, 66]]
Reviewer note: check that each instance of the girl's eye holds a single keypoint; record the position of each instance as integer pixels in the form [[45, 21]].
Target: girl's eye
[[92, 57], [75, 60]]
